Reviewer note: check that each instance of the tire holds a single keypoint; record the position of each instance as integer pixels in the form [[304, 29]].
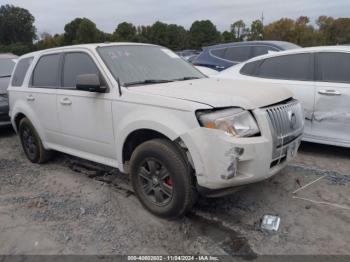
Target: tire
[[31, 143], [162, 179]]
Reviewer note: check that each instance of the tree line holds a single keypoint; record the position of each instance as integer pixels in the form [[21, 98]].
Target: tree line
[[18, 34]]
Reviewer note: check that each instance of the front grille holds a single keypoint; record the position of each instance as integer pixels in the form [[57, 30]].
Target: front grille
[[287, 121]]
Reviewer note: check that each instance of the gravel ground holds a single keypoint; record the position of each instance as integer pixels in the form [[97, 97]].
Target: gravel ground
[[72, 206]]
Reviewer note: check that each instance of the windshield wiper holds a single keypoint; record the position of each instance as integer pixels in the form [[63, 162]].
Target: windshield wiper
[[5, 76], [147, 81], [186, 78]]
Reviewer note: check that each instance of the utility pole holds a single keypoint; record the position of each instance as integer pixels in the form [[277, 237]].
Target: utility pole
[[262, 23]]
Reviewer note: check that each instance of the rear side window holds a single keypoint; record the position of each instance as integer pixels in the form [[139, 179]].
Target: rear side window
[[262, 50], [76, 64], [46, 71], [333, 67], [21, 71], [288, 67], [218, 52], [238, 54]]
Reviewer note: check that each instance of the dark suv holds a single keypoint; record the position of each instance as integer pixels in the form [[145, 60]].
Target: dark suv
[[7, 63], [222, 56]]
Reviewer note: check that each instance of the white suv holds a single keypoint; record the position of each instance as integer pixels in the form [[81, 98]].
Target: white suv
[[142, 109]]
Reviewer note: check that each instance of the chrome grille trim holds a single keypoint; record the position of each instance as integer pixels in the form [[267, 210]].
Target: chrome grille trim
[[286, 121]]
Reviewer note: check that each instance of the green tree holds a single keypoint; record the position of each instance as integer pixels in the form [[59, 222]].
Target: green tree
[[70, 31], [283, 30], [143, 34], [177, 37], [16, 25], [17, 48], [340, 31], [324, 33], [256, 30], [239, 30], [125, 32], [87, 32], [158, 34], [49, 41], [305, 33], [228, 37], [203, 33], [83, 30], [172, 36]]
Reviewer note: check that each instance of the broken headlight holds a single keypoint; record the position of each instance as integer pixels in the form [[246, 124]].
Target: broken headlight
[[233, 121]]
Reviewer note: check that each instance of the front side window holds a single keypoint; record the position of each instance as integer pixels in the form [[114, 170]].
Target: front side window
[[288, 67], [250, 68], [21, 71], [334, 67], [142, 64], [77, 64], [6, 67], [46, 71]]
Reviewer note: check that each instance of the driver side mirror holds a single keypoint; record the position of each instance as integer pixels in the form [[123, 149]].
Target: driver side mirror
[[89, 82]]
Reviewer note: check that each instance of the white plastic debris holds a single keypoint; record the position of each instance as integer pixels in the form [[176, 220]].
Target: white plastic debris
[[270, 222]]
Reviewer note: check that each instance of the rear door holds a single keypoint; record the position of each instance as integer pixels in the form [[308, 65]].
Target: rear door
[[332, 101], [86, 122], [40, 96]]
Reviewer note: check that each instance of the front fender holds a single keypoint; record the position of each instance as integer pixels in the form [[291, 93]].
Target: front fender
[[169, 122]]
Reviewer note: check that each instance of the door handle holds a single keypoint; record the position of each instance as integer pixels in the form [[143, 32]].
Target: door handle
[[30, 98], [65, 101], [329, 92]]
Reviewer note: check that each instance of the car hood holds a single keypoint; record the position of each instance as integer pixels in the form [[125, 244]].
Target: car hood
[[219, 92]]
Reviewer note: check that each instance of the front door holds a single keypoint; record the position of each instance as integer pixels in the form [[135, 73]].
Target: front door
[[332, 102], [86, 122]]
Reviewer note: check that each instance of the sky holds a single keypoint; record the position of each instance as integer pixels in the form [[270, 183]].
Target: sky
[[52, 15]]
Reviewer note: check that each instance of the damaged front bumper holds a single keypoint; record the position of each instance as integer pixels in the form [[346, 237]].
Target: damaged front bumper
[[223, 162]]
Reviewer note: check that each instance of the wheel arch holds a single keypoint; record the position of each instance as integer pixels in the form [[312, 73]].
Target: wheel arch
[[21, 111], [136, 138], [141, 135]]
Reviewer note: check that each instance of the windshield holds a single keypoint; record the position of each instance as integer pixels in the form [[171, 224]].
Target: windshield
[[142, 64], [6, 67]]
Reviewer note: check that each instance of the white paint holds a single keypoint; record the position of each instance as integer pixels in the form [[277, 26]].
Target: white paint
[[95, 126], [170, 53], [327, 117], [207, 71]]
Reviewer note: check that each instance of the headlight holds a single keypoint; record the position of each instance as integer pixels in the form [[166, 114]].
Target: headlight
[[233, 121]]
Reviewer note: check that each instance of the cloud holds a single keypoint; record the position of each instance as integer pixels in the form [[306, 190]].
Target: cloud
[[52, 15]]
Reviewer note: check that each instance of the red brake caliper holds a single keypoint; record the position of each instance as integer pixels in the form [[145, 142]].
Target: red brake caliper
[[169, 181]]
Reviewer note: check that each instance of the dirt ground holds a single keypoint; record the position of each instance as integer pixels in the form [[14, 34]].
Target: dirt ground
[[71, 206]]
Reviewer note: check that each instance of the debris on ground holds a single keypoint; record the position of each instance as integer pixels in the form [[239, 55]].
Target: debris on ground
[[270, 222]]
